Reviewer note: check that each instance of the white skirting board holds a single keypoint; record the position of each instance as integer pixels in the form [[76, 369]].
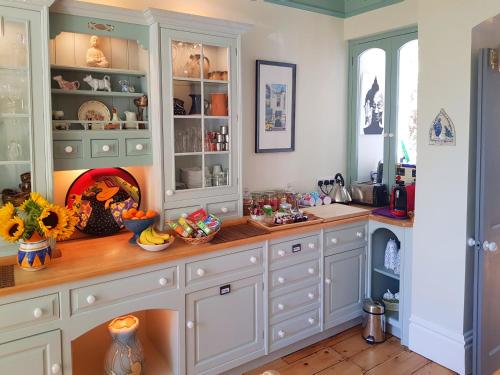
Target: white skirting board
[[450, 349]]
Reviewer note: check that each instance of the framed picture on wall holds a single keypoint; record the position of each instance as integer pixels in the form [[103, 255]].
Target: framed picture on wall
[[275, 106]]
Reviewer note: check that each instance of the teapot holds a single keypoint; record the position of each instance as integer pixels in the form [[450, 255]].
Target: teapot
[[340, 193]]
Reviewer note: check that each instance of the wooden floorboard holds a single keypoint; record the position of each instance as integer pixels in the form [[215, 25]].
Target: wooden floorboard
[[348, 354]]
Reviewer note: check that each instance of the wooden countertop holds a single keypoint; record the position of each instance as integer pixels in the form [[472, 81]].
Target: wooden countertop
[[84, 259]]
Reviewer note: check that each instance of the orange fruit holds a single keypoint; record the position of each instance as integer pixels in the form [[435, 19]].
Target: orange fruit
[[125, 214], [140, 214], [150, 214], [132, 212]]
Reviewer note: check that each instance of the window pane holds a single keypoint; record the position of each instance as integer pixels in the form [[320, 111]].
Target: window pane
[[370, 112], [407, 103]]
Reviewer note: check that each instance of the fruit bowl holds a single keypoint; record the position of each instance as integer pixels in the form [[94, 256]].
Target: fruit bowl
[[137, 226], [156, 247]]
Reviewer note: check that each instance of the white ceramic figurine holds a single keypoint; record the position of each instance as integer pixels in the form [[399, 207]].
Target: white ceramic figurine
[[98, 84], [95, 57]]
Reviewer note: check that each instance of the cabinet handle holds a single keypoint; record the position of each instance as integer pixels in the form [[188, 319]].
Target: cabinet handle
[[391, 135], [163, 281], [106, 148], [311, 246], [334, 241], [224, 210], [253, 260], [281, 280], [37, 313], [170, 192], [55, 368], [68, 149], [281, 306], [328, 281], [200, 272], [90, 299], [190, 324], [310, 295], [281, 253], [311, 271], [311, 321], [139, 147], [281, 334], [359, 234]]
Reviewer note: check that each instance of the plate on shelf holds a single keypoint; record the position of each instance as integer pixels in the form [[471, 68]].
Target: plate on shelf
[[94, 110], [99, 196]]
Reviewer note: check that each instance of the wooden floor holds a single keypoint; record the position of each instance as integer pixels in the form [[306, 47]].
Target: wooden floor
[[348, 354]]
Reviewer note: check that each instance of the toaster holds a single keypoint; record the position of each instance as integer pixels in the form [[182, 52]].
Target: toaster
[[369, 193]]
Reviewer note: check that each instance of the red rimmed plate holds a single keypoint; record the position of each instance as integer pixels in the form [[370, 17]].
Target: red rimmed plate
[[100, 196]]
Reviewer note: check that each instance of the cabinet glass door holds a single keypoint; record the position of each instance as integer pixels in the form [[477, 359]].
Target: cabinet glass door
[[200, 93]]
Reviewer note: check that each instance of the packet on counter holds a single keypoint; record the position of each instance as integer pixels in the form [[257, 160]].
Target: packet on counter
[[198, 215]]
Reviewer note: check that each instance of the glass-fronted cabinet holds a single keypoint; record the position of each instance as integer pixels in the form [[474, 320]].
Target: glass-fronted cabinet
[[23, 161], [200, 115]]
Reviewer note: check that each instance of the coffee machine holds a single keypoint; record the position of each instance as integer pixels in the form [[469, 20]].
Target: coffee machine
[[403, 199]]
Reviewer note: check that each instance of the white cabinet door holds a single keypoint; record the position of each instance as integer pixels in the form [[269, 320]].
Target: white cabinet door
[[224, 326], [344, 286], [35, 355]]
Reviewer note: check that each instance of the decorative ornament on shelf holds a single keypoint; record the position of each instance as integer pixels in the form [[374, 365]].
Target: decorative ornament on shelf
[[31, 225], [95, 57], [442, 131], [66, 85], [98, 84]]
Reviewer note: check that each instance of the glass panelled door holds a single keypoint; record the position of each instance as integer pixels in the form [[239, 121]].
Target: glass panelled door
[[200, 92]]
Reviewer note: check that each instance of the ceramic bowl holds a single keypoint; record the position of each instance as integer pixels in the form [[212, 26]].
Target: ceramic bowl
[[156, 247], [137, 226]]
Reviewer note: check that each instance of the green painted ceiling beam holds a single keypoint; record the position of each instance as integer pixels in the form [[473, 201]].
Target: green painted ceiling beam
[[336, 8]]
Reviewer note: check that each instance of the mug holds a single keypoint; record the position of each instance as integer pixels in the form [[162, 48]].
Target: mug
[[130, 116]]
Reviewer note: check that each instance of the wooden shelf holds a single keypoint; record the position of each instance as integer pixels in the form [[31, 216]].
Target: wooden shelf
[[386, 273], [187, 153], [97, 93], [216, 152], [89, 69], [199, 80], [187, 116], [217, 117]]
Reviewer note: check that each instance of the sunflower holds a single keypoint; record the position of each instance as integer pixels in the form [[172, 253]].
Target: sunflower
[[35, 203], [13, 229], [6, 213], [52, 220], [38, 199], [69, 228]]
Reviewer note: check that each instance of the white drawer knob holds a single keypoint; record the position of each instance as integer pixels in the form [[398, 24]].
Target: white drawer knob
[[68, 149], [281, 306], [328, 281], [281, 334], [224, 210], [190, 324], [311, 321], [311, 271], [310, 295], [106, 148], [281, 253], [170, 192], [163, 281], [55, 368], [253, 260], [311, 246], [334, 240], [139, 147], [200, 272], [281, 280], [359, 234], [90, 299], [37, 313]]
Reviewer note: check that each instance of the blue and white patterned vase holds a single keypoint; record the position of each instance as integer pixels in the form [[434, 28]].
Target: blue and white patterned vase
[[125, 356], [34, 255]]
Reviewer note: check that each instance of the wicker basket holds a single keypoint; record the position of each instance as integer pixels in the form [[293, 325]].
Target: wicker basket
[[200, 240], [391, 305]]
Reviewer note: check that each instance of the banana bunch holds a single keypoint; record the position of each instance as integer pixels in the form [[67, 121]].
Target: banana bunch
[[151, 237]]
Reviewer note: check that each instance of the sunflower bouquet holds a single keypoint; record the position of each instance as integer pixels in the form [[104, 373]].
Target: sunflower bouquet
[[36, 218]]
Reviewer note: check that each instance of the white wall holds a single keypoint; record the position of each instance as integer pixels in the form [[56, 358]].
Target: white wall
[[441, 311], [315, 43]]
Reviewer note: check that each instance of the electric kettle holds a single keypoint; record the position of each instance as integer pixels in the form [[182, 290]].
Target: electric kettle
[[340, 193]]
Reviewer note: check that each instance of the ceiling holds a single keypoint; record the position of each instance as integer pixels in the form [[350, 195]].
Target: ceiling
[[336, 8]]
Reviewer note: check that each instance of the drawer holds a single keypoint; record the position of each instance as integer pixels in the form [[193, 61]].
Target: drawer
[[342, 238], [285, 277], [30, 311], [68, 149], [302, 299], [294, 329], [209, 269], [104, 148], [102, 294], [175, 213], [223, 209], [137, 146], [292, 249]]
